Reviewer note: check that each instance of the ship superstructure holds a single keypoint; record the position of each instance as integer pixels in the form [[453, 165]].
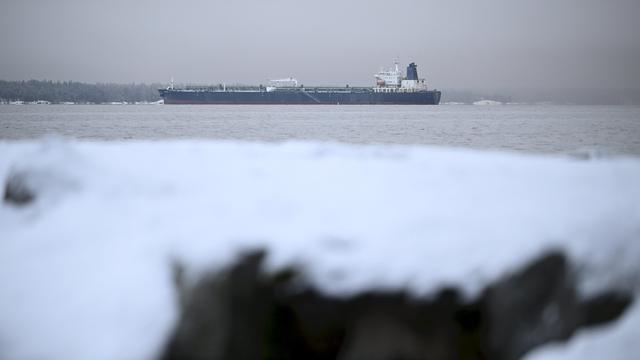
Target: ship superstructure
[[392, 80], [391, 88]]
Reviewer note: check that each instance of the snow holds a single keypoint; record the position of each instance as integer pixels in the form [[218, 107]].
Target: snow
[[487, 102], [85, 271], [453, 103]]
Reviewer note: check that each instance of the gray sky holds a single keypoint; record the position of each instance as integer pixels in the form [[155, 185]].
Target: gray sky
[[456, 43]]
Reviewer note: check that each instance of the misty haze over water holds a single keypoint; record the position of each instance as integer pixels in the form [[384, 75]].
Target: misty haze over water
[[511, 47]]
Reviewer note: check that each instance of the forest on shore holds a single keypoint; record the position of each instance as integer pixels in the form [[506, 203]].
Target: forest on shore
[[77, 92]]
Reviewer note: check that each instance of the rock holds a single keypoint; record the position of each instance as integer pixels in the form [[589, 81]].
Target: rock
[[17, 189], [539, 305], [244, 313], [226, 315], [532, 307]]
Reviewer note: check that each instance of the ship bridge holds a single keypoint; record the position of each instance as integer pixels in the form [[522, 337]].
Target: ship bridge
[[392, 80]]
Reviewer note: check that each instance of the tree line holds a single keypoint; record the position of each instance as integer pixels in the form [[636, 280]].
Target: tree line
[[77, 92]]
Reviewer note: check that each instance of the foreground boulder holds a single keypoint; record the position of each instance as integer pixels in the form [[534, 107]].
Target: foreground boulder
[[18, 190], [245, 313]]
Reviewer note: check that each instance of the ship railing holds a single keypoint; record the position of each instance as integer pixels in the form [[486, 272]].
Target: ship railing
[[221, 87], [325, 89], [398, 90], [244, 88]]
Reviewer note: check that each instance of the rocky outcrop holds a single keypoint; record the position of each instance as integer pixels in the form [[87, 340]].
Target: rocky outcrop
[[538, 305], [17, 189], [245, 313]]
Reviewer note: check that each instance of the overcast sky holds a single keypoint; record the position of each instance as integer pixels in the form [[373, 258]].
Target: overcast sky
[[488, 44]]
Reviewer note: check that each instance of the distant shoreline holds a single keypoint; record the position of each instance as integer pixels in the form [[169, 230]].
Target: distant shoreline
[[67, 92], [72, 93], [44, 102]]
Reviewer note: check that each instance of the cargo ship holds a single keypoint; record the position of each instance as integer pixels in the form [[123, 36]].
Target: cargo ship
[[391, 88]]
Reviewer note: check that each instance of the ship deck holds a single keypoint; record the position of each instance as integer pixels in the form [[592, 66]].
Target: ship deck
[[318, 89]]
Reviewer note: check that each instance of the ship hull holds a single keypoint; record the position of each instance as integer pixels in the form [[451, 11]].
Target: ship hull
[[300, 97]]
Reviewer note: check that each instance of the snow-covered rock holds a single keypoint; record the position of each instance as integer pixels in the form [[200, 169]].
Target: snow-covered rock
[[86, 266]]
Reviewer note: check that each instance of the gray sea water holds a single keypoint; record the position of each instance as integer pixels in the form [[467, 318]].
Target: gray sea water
[[526, 128]]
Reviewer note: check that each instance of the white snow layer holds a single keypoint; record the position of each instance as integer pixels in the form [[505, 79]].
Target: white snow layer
[[487, 102], [85, 271]]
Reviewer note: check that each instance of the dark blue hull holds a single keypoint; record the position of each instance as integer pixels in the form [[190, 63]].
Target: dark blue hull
[[307, 97]]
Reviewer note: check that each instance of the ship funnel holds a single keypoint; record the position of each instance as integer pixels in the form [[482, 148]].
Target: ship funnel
[[412, 72]]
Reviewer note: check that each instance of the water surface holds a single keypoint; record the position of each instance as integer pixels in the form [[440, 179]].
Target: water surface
[[528, 128]]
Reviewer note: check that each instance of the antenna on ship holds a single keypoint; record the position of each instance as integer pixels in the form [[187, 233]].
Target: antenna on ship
[[172, 83]]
